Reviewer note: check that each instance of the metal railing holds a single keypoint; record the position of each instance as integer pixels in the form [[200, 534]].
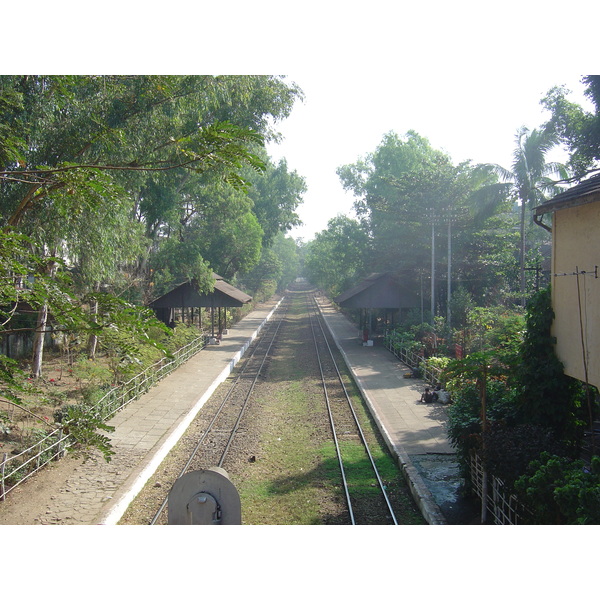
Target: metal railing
[[427, 372], [16, 469]]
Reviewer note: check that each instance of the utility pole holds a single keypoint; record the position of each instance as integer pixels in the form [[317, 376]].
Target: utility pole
[[431, 216], [432, 267], [449, 312], [447, 216], [451, 216]]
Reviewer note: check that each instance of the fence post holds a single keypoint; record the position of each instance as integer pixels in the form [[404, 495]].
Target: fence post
[[61, 451], [2, 488]]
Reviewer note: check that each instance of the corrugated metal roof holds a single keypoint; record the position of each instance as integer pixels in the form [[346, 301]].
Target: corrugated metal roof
[[581, 193], [379, 290], [187, 295]]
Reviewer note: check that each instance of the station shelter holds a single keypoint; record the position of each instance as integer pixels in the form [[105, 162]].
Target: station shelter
[[185, 302], [379, 301]]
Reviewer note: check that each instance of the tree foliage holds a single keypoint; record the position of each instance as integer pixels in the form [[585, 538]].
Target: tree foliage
[[529, 181], [337, 255], [408, 193], [561, 491], [135, 183], [575, 127], [547, 396]]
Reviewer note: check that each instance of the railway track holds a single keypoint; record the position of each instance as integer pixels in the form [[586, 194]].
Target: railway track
[[346, 429], [250, 419], [213, 446]]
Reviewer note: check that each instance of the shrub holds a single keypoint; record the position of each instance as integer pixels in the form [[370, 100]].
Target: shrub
[[82, 423], [91, 371], [401, 339], [181, 336], [508, 450], [468, 379], [547, 397], [559, 490]]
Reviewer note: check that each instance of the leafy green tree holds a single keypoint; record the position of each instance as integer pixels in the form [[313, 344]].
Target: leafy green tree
[[578, 129], [261, 281], [335, 259], [276, 194], [117, 124], [71, 144], [287, 252], [561, 491], [66, 129], [278, 267], [528, 180], [24, 279], [397, 187], [410, 194]]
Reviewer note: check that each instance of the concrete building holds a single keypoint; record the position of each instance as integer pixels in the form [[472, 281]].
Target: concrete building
[[575, 227]]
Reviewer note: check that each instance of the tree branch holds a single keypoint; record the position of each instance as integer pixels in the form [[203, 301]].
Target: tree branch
[[27, 411]]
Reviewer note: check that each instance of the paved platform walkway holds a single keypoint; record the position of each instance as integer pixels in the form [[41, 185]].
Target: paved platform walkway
[[146, 430]]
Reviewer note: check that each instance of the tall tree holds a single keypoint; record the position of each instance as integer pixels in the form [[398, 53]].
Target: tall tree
[[409, 195], [336, 257], [575, 127], [276, 193], [279, 266], [528, 179], [146, 133], [397, 187]]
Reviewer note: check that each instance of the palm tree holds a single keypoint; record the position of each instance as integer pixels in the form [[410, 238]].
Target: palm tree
[[528, 180]]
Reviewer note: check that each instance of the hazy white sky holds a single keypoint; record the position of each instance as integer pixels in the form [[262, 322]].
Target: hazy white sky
[[471, 117], [464, 74]]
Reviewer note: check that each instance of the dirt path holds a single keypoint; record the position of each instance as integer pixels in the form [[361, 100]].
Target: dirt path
[[29, 503]]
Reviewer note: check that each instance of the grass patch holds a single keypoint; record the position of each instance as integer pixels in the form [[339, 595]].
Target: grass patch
[[296, 477], [285, 485]]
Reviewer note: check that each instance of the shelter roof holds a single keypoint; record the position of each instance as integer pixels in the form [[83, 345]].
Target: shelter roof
[[379, 290], [187, 295], [583, 193]]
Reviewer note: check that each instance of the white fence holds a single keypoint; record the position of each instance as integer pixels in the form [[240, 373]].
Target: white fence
[[502, 507], [427, 372], [16, 469]]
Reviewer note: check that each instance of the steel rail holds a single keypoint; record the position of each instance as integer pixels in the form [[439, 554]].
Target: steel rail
[[237, 423], [232, 389], [355, 416], [331, 420]]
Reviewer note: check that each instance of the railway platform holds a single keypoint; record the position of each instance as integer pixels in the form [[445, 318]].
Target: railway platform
[[414, 432], [96, 492]]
